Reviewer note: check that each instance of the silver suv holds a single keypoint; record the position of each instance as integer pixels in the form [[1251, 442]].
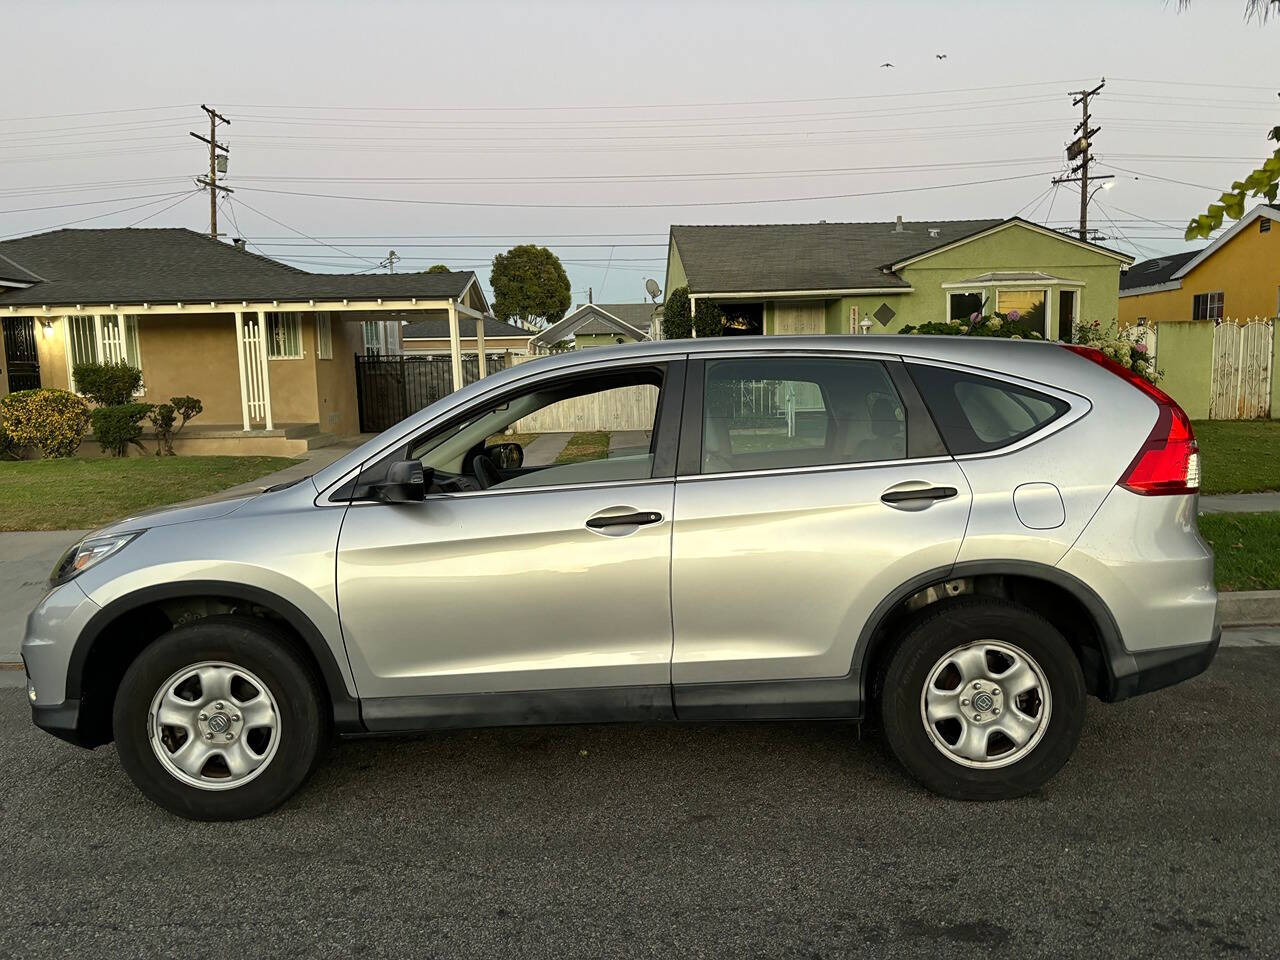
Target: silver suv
[[959, 537]]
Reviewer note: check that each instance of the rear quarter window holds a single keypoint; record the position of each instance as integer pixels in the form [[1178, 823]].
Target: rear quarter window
[[976, 414]]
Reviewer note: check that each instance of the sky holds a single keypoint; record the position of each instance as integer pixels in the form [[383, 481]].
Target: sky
[[448, 132]]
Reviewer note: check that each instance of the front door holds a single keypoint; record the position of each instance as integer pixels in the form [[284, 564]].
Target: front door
[[538, 594], [22, 361], [801, 510]]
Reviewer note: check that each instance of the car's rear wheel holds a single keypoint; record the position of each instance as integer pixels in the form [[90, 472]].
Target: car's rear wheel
[[982, 700], [220, 719]]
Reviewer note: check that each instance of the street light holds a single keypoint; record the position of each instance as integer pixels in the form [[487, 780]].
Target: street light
[[1106, 186]]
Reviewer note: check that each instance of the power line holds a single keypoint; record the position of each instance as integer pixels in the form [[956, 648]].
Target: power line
[[182, 199], [267, 216], [86, 203], [627, 206], [95, 113], [97, 216]]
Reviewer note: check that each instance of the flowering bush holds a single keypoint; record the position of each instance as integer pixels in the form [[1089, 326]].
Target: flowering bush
[[52, 421], [1125, 345], [1011, 325]]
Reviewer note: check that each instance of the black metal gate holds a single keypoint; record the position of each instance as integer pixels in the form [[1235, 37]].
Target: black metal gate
[[22, 360], [389, 388]]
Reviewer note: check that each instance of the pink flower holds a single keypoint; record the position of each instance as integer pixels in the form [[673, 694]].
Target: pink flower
[[1140, 347], [1014, 315], [975, 317]]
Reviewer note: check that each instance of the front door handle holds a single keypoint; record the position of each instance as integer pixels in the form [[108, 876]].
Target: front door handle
[[624, 520], [893, 497]]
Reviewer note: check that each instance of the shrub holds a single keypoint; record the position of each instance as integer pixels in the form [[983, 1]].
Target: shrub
[[1125, 345], [51, 421], [187, 408], [107, 384], [117, 426], [161, 417], [708, 320], [1011, 325], [677, 322]]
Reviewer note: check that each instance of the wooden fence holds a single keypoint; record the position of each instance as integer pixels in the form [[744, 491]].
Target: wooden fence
[[623, 408]]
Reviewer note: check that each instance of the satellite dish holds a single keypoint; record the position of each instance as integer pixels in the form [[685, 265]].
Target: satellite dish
[[652, 288]]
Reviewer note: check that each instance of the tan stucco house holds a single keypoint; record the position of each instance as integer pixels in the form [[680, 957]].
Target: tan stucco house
[[269, 349]]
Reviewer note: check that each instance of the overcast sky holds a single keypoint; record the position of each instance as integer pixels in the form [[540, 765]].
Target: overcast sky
[[592, 127]]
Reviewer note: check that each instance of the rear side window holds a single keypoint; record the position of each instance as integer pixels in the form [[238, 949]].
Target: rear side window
[[787, 412], [976, 414]]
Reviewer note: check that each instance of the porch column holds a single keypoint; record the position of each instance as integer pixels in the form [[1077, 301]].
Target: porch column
[[693, 310], [480, 343], [244, 387], [455, 345], [263, 333]]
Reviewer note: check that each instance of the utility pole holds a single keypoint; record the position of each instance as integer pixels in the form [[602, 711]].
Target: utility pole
[[390, 262], [210, 182], [1079, 151]]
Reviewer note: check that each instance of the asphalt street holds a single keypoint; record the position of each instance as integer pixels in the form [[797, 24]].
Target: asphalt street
[[1160, 839]]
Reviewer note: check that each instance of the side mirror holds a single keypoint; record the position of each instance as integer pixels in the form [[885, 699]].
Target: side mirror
[[507, 456], [406, 482]]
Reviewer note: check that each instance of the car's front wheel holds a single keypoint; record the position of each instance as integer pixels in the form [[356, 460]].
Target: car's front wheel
[[219, 720], [982, 700]]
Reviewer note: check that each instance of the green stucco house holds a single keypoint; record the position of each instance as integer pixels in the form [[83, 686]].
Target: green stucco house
[[808, 278]]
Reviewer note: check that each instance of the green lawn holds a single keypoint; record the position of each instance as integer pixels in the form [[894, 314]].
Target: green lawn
[[1246, 548], [591, 445], [71, 494], [1239, 456]]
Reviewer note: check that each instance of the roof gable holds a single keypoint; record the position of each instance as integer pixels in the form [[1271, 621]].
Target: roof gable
[[1262, 210], [1013, 223], [591, 313]]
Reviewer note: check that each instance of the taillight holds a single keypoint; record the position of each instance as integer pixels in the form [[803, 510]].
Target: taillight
[[1169, 461]]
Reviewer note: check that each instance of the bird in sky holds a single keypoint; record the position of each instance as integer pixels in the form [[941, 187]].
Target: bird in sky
[[889, 65], [940, 56]]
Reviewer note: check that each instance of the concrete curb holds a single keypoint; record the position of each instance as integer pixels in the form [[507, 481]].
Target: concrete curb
[[1249, 608]]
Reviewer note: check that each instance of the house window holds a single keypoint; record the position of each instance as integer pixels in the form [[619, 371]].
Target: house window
[[103, 339], [380, 337], [1028, 303], [1207, 306], [324, 337], [284, 336], [962, 306]]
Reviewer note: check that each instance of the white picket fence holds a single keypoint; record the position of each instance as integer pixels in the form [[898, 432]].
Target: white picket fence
[[624, 408], [1240, 383]]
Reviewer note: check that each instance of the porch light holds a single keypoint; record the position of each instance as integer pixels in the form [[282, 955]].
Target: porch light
[[46, 327]]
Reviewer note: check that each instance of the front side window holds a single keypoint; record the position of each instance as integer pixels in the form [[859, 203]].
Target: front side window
[[977, 414], [594, 429], [284, 336], [1207, 306], [778, 413]]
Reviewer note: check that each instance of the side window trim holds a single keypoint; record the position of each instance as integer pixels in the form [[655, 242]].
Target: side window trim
[[923, 438]]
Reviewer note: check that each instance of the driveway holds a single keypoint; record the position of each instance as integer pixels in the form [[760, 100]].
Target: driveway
[[761, 840]]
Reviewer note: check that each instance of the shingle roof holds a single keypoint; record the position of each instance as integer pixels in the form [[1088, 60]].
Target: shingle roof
[[638, 315], [1148, 273], [435, 326], [164, 265], [808, 256]]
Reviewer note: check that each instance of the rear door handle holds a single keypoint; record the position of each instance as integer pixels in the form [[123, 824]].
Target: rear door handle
[[624, 520], [893, 497]]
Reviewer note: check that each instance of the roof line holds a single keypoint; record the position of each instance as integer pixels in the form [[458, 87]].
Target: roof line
[[1261, 210], [1003, 225]]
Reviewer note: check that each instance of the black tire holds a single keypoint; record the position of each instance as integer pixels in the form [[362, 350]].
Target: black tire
[[248, 643], [930, 637]]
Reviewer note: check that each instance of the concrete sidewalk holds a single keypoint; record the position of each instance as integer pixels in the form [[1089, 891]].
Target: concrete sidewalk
[[1241, 503]]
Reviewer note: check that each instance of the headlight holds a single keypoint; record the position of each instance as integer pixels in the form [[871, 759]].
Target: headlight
[[86, 553]]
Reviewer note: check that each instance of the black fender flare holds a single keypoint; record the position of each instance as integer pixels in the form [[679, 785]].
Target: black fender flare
[[1120, 663], [346, 709]]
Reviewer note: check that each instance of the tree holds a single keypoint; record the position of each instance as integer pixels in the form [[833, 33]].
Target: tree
[[438, 268], [529, 283], [1263, 182], [1253, 9]]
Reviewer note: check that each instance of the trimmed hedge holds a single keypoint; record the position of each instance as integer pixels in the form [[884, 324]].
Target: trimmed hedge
[[117, 426], [51, 421], [107, 384]]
